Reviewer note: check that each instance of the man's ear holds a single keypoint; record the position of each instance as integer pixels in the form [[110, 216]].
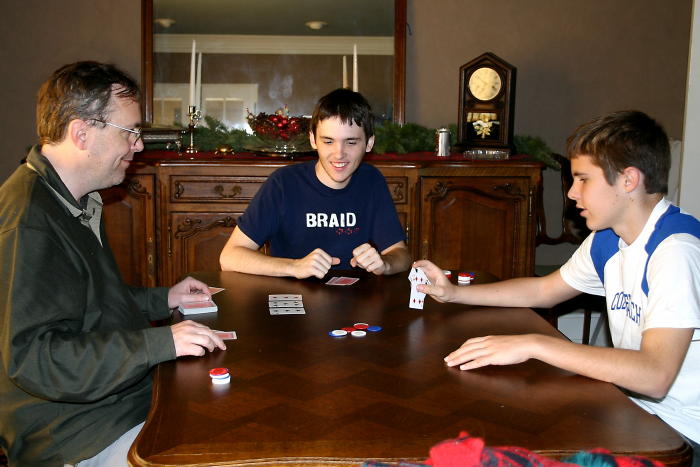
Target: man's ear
[[633, 178], [77, 133], [312, 139], [370, 144]]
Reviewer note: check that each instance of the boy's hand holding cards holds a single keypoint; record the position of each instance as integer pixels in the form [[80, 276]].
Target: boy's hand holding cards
[[415, 277]]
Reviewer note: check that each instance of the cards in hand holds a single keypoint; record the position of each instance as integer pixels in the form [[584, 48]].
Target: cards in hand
[[194, 308], [342, 280], [417, 276], [286, 304]]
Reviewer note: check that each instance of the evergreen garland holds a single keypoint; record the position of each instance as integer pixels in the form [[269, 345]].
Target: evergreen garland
[[389, 137]]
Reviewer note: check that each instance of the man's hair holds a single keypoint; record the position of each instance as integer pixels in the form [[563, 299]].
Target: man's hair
[[349, 106], [625, 139], [80, 90]]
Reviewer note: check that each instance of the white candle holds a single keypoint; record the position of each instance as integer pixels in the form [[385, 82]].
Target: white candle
[[198, 83], [345, 72], [193, 58], [354, 68]]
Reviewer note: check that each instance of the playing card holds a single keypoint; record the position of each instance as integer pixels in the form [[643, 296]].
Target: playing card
[[275, 297], [193, 308], [287, 311], [227, 335], [417, 276], [342, 281], [214, 290], [417, 298], [286, 304]]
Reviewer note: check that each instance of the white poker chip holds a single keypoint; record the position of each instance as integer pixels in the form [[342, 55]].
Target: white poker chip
[[225, 380], [358, 333], [338, 333]]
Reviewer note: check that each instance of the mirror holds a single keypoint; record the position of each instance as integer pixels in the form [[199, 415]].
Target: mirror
[[264, 55]]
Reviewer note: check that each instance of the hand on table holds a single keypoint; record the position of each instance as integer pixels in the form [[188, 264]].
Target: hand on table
[[317, 263], [441, 289], [186, 291], [192, 338], [368, 258], [491, 350]]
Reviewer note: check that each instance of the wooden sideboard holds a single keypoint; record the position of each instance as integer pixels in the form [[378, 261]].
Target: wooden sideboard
[[173, 215]]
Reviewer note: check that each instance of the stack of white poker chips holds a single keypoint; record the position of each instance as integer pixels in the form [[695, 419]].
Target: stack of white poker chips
[[465, 278], [219, 376]]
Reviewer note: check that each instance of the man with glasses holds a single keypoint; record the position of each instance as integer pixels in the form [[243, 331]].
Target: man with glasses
[[76, 346]]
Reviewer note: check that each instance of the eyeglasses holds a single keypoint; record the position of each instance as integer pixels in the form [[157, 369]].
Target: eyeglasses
[[136, 131]]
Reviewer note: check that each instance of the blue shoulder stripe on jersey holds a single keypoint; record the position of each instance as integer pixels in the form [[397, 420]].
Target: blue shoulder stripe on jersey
[[605, 244], [671, 222]]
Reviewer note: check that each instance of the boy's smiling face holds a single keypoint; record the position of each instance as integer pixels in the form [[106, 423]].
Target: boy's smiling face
[[340, 147], [602, 204]]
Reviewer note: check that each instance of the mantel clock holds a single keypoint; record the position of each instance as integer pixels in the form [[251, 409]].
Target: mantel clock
[[486, 105]]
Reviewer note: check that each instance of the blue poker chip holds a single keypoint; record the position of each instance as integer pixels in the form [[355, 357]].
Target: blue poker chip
[[374, 328], [338, 333]]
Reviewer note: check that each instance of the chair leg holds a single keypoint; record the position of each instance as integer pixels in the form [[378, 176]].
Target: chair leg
[[586, 326]]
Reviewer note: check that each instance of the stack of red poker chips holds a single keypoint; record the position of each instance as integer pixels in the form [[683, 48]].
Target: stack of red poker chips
[[220, 376]]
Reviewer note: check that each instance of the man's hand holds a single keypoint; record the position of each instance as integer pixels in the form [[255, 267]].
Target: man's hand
[[186, 291], [192, 338], [442, 290], [317, 263], [491, 350], [368, 258]]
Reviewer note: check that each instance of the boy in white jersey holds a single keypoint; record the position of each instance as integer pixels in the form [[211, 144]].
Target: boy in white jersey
[[643, 255]]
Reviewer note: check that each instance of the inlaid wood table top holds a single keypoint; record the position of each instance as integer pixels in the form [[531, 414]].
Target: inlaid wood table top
[[298, 396]]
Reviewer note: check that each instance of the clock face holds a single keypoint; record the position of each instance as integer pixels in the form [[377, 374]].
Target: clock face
[[485, 83]]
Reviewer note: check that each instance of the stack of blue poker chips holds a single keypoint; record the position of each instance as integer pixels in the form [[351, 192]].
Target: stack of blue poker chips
[[220, 376]]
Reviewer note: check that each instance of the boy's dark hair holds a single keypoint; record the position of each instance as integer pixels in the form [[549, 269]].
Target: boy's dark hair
[[349, 106], [79, 90], [625, 139]]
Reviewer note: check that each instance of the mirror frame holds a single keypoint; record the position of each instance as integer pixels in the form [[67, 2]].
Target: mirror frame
[[399, 60]]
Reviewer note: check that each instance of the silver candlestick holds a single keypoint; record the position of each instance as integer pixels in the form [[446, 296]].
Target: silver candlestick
[[195, 116]]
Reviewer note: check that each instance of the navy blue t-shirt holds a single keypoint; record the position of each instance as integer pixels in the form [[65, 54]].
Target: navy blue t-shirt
[[297, 213]]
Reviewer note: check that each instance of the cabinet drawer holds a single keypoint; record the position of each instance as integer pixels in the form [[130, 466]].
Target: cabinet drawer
[[223, 189]]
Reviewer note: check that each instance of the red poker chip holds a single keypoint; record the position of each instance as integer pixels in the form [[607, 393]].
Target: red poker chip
[[360, 325], [348, 329], [218, 372]]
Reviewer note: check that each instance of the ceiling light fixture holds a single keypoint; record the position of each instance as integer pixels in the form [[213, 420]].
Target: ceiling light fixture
[[165, 22], [316, 25]]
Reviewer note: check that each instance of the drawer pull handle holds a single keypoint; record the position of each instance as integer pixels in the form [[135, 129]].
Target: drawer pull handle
[[235, 191], [179, 190]]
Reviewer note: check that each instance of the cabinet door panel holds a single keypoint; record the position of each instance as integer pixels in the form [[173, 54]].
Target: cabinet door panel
[[196, 240], [129, 217], [476, 223]]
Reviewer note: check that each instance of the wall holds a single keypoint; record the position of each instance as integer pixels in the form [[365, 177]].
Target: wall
[[575, 60], [40, 36]]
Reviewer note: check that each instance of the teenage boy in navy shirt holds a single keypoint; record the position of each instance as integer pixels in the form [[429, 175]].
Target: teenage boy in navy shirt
[[643, 256], [334, 211]]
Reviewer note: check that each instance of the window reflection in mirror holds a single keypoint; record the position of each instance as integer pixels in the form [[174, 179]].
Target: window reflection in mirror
[[261, 55]]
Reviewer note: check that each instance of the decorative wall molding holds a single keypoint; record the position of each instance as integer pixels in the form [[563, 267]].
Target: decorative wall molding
[[264, 44]]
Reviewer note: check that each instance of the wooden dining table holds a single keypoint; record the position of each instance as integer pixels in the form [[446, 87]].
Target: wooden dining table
[[298, 396]]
